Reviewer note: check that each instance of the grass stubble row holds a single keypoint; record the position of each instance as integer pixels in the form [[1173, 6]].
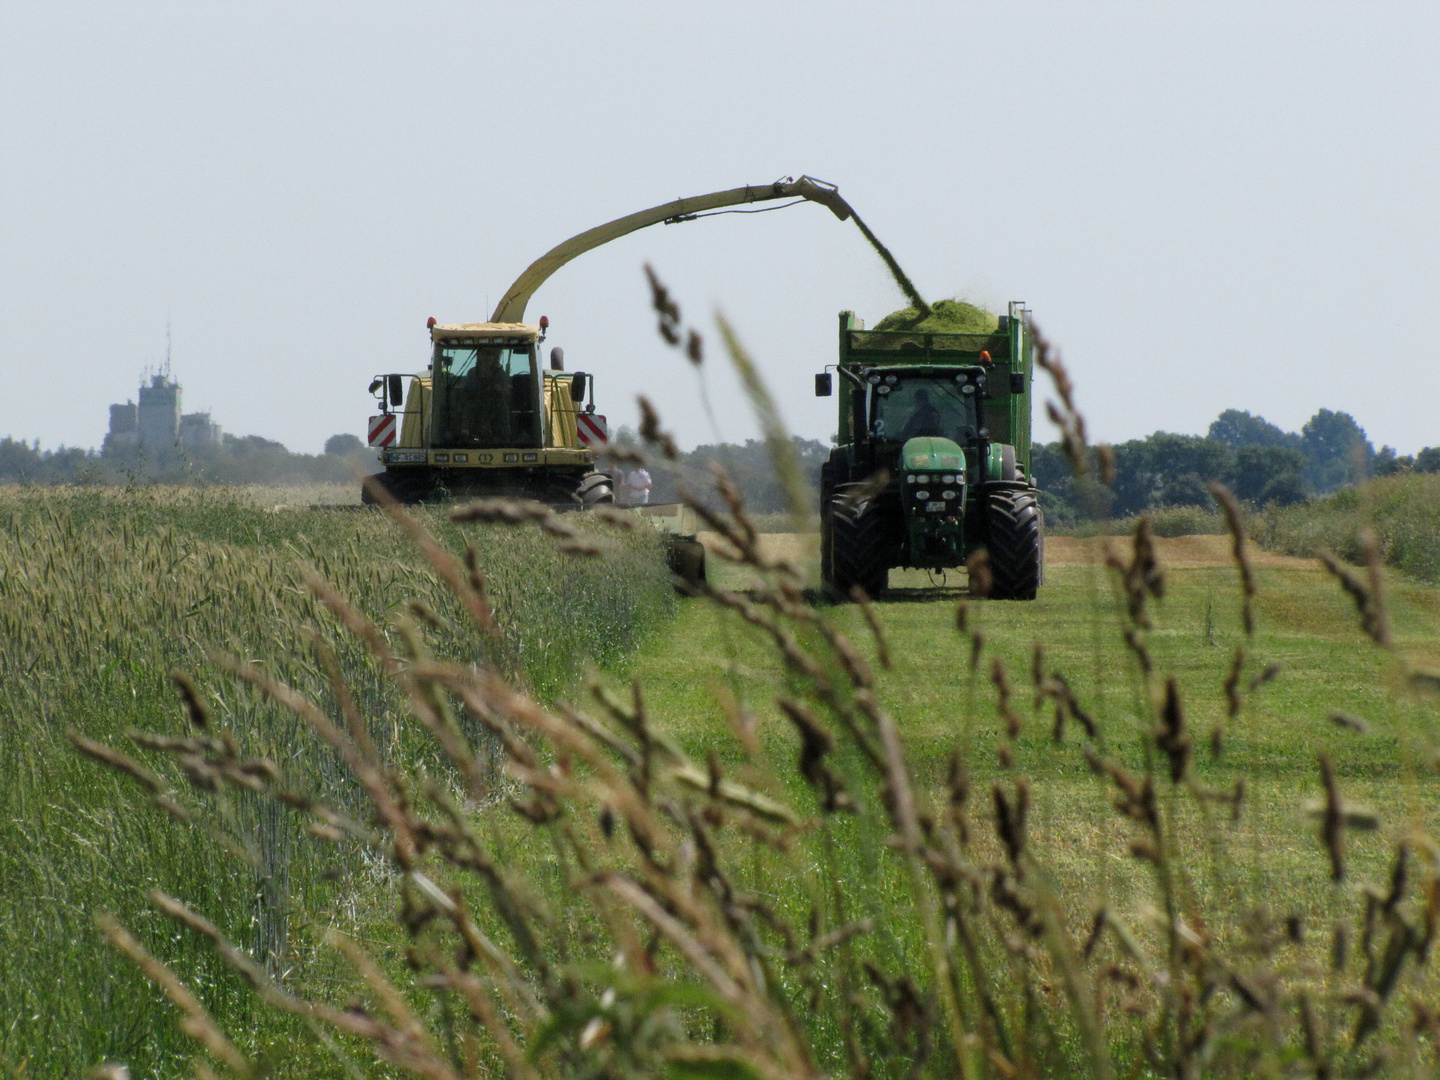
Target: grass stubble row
[[568, 888]]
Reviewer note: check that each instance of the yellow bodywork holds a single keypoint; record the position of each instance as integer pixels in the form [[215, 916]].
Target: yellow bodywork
[[562, 439], [415, 428], [560, 412]]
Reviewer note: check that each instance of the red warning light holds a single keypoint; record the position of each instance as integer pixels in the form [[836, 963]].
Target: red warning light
[[544, 322], [430, 323], [985, 358]]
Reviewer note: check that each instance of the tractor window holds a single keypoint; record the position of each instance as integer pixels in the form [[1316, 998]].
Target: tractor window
[[484, 396], [916, 407]]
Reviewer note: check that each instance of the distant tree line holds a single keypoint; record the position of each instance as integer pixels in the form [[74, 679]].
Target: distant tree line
[[236, 459], [1258, 461]]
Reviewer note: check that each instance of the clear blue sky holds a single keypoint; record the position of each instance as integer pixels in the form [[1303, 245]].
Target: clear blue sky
[[1207, 205]]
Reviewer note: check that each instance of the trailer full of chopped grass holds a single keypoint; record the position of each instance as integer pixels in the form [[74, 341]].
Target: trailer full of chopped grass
[[945, 317]]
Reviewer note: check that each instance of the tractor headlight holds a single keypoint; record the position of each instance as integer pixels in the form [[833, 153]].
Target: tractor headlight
[[910, 479], [947, 479], [947, 494], [922, 494]]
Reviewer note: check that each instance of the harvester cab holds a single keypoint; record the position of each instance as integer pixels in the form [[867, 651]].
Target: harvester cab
[[486, 417], [933, 455]]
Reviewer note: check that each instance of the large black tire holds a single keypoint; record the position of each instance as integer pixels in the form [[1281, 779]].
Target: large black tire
[[860, 548], [1015, 540], [827, 495], [595, 489], [686, 559], [404, 488]]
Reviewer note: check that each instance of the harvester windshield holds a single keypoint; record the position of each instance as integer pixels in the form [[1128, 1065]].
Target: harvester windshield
[[485, 395], [904, 408]]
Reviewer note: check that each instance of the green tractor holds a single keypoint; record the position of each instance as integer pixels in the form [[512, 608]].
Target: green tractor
[[933, 457]]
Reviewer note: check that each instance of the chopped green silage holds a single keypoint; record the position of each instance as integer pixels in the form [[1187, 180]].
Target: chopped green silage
[[946, 317]]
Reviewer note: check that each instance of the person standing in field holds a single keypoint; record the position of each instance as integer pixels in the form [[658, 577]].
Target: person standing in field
[[638, 485]]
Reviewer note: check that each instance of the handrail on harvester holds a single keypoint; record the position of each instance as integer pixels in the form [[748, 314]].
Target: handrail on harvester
[[511, 308]]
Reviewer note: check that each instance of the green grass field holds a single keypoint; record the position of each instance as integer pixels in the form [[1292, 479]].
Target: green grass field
[[102, 594], [1307, 627]]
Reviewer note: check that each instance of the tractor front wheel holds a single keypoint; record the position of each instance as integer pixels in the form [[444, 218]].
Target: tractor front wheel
[[1015, 541], [856, 548]]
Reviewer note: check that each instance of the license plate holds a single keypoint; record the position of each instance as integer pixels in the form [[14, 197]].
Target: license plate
[[935, 506], [405, 457]]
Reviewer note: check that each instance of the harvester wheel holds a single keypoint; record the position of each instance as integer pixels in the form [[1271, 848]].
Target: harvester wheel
[[858, 544], [1015, 541], [596, 488], [403, 489]]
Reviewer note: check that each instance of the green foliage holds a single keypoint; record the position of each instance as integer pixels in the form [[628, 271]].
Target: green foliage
[[1268, 474], [1168, 522], [247, 459], [1237, 429], [1260, 463], [346, 446], [1166, 470], [1336, 449], [102, 594], [1402, 510]]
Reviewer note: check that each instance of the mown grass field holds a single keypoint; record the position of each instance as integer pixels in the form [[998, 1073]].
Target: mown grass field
[[1271, 860], [102, 594]]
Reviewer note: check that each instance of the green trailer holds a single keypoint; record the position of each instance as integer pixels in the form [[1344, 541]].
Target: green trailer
[[932, 462]]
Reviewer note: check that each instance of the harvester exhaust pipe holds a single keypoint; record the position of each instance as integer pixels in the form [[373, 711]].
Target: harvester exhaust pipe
[[557, 359]]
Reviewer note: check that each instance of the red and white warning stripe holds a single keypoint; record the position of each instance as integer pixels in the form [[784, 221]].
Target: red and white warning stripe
[[382, 429], [592, 429]]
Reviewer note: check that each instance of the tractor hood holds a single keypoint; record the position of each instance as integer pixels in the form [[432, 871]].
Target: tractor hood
[[932, 452]]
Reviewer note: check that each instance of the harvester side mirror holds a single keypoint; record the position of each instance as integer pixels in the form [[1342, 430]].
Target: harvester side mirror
[[397, 391], [557, 359], [1017, 382], [577, 386], [376, 383], [823, 387]]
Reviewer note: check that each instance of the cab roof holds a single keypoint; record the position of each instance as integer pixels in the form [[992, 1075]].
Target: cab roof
[[507, 331]]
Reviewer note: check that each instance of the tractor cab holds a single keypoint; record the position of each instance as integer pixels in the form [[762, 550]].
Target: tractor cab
[[892, 405]]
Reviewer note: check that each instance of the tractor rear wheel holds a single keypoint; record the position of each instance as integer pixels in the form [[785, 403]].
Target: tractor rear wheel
[[596, 488], [858, 548], [1015, 542]]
